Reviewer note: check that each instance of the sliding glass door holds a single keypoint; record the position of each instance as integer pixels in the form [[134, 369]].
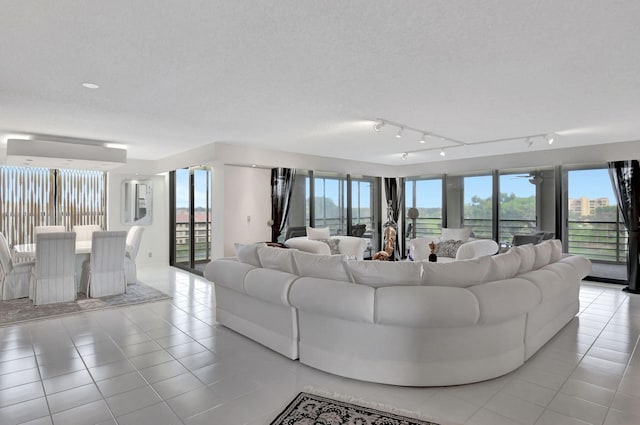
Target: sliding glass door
[[477, 207], [191, 218], [425, 195]]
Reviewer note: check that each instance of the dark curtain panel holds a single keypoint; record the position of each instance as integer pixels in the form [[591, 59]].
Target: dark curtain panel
[[625, 179], [281, 189], [393, 192]]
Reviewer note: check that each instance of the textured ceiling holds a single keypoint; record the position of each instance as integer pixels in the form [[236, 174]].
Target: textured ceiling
[[310, 76]]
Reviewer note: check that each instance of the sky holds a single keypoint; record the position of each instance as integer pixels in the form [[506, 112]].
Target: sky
[[182, 188], [589, 183]]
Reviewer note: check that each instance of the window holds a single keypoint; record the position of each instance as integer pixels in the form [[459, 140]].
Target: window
[[362, 195], [333, 199], [426, 196], [594, 226], [478, 205], [517, 204], [330, 198], [191, 218], [32, 197]]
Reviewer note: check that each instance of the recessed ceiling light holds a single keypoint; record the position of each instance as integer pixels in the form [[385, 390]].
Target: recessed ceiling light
[[253, 165], [90, 86]]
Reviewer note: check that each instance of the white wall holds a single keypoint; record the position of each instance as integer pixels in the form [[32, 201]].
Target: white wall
[[155, 239], [247, 206]]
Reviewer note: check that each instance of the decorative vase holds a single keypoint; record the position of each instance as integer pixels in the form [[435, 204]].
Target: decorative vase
[[432, 257]]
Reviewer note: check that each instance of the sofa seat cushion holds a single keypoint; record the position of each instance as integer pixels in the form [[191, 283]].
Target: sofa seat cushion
[[420, 306], [384, 273], [460, 274], [320, 266]]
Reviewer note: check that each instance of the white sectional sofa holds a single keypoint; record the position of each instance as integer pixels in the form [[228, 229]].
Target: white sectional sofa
[[401, 323]]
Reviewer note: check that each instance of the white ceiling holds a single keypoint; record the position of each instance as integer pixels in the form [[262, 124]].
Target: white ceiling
[[310, 76]]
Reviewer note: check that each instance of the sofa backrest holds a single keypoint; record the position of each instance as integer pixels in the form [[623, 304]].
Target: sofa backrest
[[385, 273], [320, 266]]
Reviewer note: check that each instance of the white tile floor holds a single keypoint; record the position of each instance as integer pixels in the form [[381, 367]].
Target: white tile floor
[[170, 363]]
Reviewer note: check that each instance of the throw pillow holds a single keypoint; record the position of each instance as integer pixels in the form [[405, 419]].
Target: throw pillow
[[543, 255], [556, 249], [462, 234], [333, 245], [248, 254], [460, 274], [276, 259], [448, 248], [316, 234], [321, 266], [527, 255]]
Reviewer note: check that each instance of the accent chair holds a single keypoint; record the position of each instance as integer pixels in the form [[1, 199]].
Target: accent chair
[[134, 237], [103, 274], [54, 274], [14, 278]]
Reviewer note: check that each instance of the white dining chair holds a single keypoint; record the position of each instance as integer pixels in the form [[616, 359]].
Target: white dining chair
[[84, 231], [54, 275], [14, 278], [103, 273], [46, 229], [134, 237]]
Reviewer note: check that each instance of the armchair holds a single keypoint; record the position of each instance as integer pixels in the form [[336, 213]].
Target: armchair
[[134, 237], [14, 278], [54, 275], [103, 274]]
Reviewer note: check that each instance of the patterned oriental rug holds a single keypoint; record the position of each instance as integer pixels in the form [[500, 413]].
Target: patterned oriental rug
[[308, 409], [23, 310]]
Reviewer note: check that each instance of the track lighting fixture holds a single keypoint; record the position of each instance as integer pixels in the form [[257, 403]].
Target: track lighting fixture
[[449, 143]]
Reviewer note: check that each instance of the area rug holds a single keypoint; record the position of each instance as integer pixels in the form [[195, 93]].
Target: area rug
[[23, 310], [315, 409]]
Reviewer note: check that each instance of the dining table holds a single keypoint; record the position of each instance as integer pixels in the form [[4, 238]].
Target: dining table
[[27, 252]]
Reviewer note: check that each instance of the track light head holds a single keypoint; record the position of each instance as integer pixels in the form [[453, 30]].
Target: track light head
[[550, 139], [442, 152], [404, 156], [528, 142], [399, 134], [378, 126], [422, 139]]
